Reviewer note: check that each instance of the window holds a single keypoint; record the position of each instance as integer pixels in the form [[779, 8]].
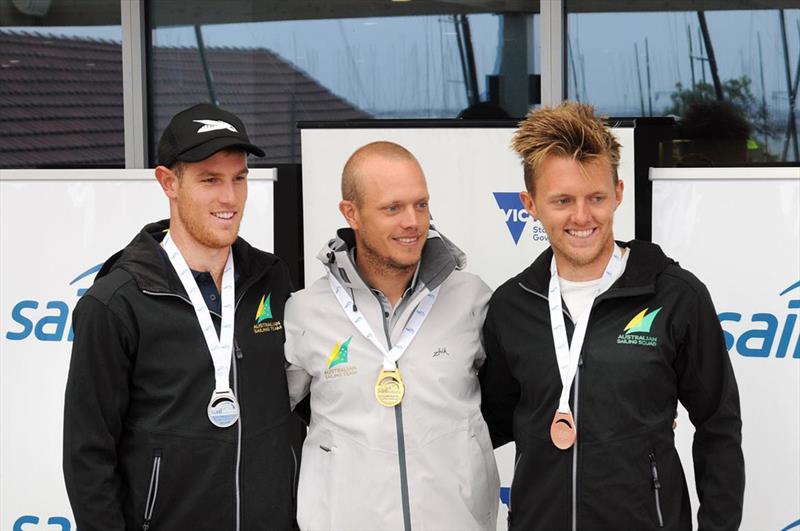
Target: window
[[61, 103], [722, 73], [276, 63]]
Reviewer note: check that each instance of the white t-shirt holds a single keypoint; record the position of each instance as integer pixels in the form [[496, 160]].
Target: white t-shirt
[[578, 295]]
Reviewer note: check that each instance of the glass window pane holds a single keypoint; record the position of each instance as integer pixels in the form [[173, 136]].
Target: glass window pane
[[682, 63], [340, 61], [61, 85]]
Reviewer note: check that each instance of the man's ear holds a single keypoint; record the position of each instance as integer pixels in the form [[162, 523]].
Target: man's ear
[[527, 202], [350, 213], [618, 192], [168, 181]]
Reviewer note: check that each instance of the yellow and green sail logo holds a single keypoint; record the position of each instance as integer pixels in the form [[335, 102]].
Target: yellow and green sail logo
[[637, 330], [264, 311], [339, 353], [642, 322]]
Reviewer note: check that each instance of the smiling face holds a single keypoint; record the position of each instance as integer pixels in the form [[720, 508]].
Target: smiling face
[[207, 200], [576, 207], [390, 216]]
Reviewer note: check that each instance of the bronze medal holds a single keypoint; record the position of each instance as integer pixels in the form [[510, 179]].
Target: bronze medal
[[389, 388], [562, 430]]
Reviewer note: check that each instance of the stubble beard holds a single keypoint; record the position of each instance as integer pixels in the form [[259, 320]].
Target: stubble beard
[[384, 265], [204, 236]]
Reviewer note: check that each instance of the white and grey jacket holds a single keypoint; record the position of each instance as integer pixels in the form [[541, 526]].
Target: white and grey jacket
[[425, 464]]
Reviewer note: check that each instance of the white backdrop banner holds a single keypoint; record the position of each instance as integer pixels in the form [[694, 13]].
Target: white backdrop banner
[[56, 229], [474, 180], [738, 230]]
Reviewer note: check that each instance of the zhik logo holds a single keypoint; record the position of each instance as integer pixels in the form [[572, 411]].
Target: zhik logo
[[214, 125], [517, 217], [48, 327], [764, 328]]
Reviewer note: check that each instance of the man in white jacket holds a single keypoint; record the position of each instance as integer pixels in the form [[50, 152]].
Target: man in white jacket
[[388, 344]]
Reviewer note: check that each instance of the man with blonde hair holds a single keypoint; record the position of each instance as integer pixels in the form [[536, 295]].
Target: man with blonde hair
[[590, 349], [388, 344]]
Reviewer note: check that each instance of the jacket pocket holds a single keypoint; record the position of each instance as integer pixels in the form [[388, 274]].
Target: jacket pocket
[[152, 489], [656, 488]]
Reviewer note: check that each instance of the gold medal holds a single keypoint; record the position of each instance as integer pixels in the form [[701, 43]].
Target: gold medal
[[562, 430], [389, 388]]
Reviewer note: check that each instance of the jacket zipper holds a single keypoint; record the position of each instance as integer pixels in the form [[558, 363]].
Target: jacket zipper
[[401, 443], [152, 490], [237, 355], [656, 488], [575, 406], [510, 491]]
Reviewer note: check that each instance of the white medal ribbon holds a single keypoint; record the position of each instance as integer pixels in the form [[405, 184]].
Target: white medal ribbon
[[568, 354], [223, 408], [360, 322]]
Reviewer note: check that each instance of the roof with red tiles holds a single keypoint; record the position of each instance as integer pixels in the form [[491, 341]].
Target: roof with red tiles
[[61, 98]]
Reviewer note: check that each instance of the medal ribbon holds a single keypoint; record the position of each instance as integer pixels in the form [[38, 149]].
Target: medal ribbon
[[218, 347], [360, 322], [568, 354]]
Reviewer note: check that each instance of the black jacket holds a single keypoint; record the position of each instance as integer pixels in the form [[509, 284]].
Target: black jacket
[[624, 472], [137, 437]]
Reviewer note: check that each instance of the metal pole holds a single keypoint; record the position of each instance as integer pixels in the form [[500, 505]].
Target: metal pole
[[134, 84], [571, 56], [712, 62], [639, 76], [791, 130], [201, 50], [691, 58], [471, 69], [649, 91], [462, 58], [763, 95], [702, 59]]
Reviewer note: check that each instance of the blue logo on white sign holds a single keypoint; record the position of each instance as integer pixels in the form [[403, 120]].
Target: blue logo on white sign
[[763, 328], [29, 520], [516, 215], [51, 325]]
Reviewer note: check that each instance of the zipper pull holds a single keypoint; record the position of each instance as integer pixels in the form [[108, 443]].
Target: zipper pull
[[654, 472], [146, 525], [236, 350]]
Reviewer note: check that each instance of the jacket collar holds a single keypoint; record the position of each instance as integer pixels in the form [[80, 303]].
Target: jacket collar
[[152, 271], [440, 257], [645, 263]]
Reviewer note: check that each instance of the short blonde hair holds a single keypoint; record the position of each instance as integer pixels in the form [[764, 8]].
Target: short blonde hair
[[570, 130], [352, 168]]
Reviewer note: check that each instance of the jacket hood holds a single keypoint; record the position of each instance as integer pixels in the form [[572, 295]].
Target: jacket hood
[[646, 262], [440, 257], [152, 271]]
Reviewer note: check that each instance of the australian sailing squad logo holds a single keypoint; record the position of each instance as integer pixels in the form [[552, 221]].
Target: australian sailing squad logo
[[637, 331], [264, 321], [338, 363]]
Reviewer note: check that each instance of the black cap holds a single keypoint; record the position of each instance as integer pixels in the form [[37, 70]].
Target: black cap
[[200, 131]]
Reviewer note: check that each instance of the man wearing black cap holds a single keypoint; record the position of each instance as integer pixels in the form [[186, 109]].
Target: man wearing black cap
[[176, 412]]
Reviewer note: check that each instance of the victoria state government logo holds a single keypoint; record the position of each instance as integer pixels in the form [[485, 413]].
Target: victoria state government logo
[[264, 321], [637, 331], [337, 364]]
